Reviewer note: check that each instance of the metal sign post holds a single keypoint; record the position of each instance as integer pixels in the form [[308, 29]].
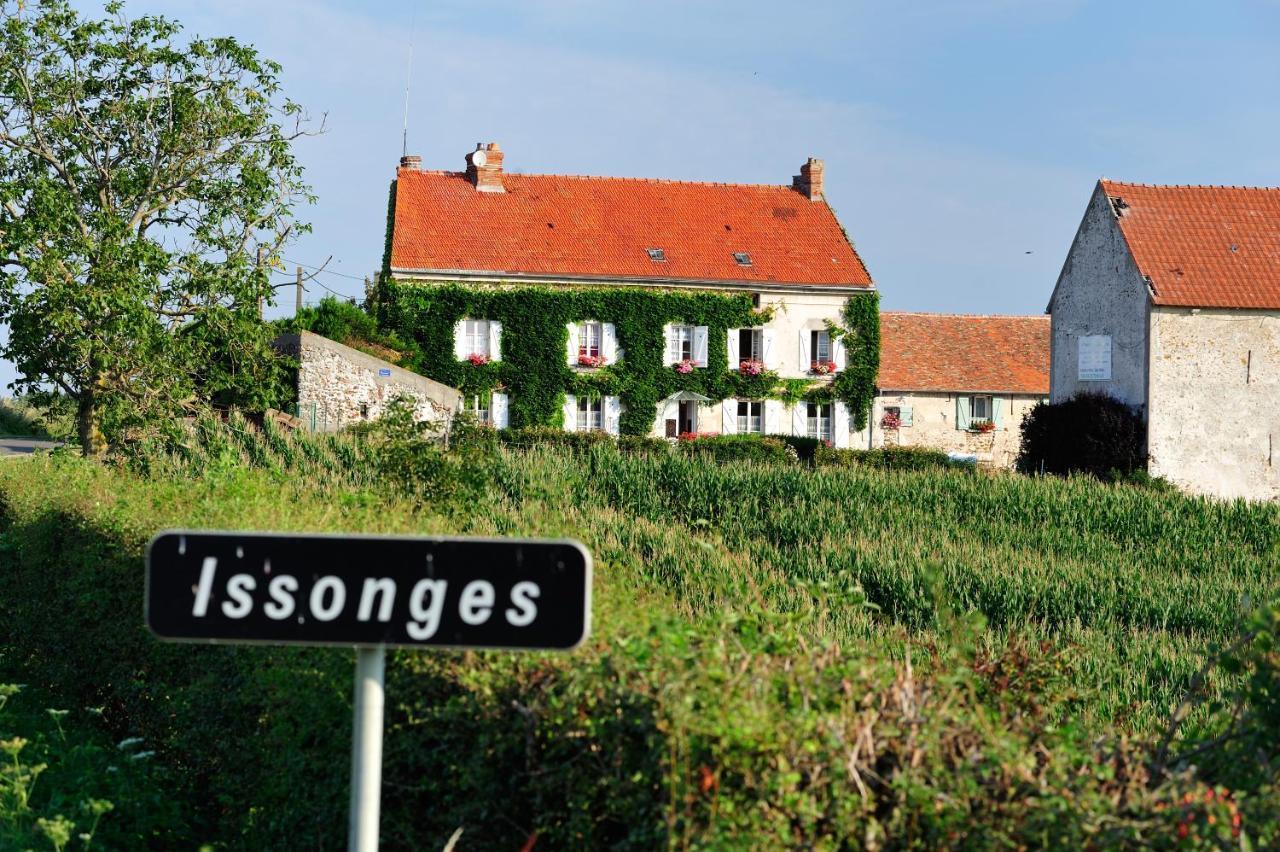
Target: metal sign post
[[371, 592]]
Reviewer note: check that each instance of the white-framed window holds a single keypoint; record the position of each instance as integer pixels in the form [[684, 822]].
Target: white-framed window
[[590, 338], [980, 408], [680, 344], [476, 335], [819, 421], [750, 417], [820, 346], [477, 405], [590, 414], [750, 345]]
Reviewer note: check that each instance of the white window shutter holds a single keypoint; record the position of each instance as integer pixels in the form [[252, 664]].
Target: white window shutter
[[668, 347], [805, 359], [837, 353], [729, 416], [570, 413], [700, 345], [609, 342], [571, 347], [800, 419], [668, 409], [731, 347], [772, 416], [612, 414], [498, 410], [460, 340], [495, 340], [770, 351], [840, 424]]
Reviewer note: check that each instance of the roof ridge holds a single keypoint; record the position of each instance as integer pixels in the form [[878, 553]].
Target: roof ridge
[[965, 316], [1188, 185], [508, 173]]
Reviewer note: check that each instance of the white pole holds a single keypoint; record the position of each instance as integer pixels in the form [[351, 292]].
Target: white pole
[[366, 750]]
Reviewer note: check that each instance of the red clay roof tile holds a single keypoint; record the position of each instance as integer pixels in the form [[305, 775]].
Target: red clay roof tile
[[957, 352], [552, 225], [1203, 246]]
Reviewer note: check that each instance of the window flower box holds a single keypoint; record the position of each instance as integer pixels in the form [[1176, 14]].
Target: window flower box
[[686, 366], [982, 426], [592, 361], [751, 367], [478, 359], [822, 368], [890, 421]]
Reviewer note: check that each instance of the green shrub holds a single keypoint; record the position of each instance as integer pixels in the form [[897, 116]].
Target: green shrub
[[1089, 433], [354, 327], [805, 448], [738, 448], [886, 458]]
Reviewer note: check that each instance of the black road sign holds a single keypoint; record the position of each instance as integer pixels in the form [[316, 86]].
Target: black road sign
[[300, 589]]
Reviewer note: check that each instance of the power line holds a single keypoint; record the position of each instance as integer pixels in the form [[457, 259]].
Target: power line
[[322, 269]]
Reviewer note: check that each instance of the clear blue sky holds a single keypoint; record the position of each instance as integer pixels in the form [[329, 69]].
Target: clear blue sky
[[959, 135]]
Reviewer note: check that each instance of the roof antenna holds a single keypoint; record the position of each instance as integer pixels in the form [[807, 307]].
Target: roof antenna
[[404, 138]]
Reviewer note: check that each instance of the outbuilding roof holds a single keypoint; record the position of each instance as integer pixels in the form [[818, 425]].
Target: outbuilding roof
[[1203, 246], [961, 352], [508, 225]]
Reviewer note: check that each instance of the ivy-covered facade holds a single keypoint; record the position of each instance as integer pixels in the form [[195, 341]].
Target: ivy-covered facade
[[636, 307]]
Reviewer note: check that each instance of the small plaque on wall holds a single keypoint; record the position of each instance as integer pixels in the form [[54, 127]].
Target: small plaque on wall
[[1095, 358]]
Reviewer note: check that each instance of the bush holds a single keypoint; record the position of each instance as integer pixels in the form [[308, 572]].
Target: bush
[[1089, 433], [351, 326], [738, 448], [887, 458], [804, 447]]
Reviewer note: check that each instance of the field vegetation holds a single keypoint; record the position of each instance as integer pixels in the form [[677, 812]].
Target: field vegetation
[[834, 653]]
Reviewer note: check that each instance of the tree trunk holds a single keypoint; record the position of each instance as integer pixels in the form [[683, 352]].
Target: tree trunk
[[89, 420]]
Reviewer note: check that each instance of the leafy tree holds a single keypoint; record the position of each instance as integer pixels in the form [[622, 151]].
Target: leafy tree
[[147, 187]]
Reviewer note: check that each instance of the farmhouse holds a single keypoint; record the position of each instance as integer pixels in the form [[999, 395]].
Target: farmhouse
[[957, 383], [1169, 300], [633, 306]]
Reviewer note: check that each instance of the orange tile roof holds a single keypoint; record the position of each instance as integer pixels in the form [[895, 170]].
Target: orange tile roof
[[1203, 246], [559, 225], [958, 352]]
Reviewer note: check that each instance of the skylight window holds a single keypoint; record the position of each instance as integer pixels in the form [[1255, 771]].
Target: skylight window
[[742, 257], [657, 255]]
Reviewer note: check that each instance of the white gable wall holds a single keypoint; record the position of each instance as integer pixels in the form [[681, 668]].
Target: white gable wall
[[1100, 292]]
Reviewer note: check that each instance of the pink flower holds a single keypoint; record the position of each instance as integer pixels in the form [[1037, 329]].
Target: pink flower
[[685, 367], [478, 359], [592, 360], [823, 368], [751, 367]]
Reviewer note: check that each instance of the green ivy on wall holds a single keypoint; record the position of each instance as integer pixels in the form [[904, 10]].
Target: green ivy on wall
[[533, 368]]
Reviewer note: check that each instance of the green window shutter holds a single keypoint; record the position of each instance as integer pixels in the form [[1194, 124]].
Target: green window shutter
[[904, 415], [963, 407], [997, 411]]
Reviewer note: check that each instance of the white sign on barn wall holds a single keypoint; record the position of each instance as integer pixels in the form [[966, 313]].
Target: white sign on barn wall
[[1095, 358]]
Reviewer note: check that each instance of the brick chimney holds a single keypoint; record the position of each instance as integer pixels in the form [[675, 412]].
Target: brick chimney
[[809, 182], [484, 167], [411, 161]]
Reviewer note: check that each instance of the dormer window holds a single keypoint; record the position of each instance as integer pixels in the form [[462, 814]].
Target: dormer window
[[742, 258], [657, 255]]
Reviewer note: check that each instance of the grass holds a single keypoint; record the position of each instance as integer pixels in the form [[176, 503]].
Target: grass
[[752, 622]]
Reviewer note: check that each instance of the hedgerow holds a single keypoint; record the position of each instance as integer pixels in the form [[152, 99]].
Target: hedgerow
[[533, 369]]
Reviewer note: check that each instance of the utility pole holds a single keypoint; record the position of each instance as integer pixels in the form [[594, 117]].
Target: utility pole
[[297, 310], [261, 306]]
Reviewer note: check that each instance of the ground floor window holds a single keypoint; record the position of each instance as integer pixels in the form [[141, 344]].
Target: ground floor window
[[819, 421], [980, 408], [590, 414], [478, 407], [750, 417]]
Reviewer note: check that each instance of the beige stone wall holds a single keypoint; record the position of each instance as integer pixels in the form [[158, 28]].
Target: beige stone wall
[[1214, 418], [339, 386], [934, 426]]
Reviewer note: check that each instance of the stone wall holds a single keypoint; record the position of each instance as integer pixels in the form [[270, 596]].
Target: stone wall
[[1214, 418], [339, 386], [933, 425], [1100, 292]]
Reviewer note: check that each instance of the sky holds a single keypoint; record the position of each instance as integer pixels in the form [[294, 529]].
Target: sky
[[961, 137]]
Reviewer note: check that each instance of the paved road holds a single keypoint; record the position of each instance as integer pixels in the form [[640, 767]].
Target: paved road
[[23, 446]]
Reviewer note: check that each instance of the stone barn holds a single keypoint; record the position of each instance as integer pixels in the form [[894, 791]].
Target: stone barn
[[1169, 300]]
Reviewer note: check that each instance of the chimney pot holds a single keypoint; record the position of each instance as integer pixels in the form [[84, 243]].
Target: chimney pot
[[809, 182], [411, 161], [484, 167]]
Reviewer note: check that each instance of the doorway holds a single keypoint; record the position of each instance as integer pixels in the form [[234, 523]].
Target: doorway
[[688, 417]]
